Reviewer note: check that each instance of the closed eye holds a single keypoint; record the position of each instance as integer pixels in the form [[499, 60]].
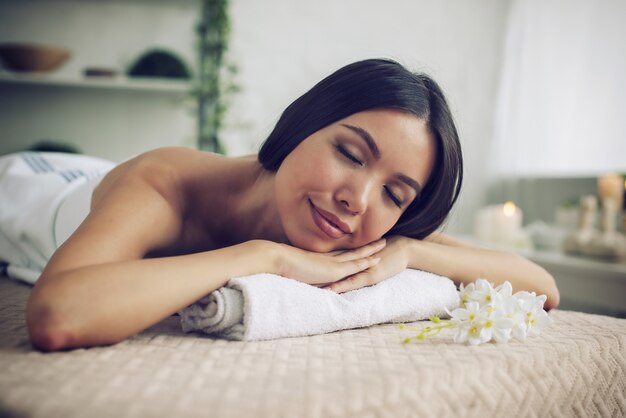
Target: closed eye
[[347, 154], [342, 150], [393, 197]]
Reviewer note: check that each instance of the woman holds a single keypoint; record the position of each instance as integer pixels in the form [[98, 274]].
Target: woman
[[369, 152]]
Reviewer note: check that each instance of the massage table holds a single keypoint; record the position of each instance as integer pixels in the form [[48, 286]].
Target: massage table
[[576, 368]]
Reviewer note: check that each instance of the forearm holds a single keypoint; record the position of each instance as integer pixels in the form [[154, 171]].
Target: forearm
[[106, 303], [466, 264]]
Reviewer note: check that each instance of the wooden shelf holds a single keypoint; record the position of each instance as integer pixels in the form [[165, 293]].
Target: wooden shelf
[[112, 83]]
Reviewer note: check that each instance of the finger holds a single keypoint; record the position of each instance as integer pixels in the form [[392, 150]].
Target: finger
[[322, 285], [362, 252], [352, 267], [353, 282]]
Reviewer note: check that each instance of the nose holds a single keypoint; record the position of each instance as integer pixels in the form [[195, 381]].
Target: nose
[[354, 196]]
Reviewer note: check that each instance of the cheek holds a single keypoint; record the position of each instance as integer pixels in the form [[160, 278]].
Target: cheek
[[317, 172], [293, 174]]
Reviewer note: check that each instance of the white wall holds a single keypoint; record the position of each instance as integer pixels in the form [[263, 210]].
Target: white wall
[[283, 47], [563, 90]]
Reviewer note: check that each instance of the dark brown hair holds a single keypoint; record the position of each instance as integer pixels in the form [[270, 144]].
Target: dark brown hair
[[372, 84]]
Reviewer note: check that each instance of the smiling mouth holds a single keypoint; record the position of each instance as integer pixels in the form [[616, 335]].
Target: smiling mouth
[[324, 224]]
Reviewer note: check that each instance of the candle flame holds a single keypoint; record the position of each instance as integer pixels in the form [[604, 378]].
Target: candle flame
[[509, 208]]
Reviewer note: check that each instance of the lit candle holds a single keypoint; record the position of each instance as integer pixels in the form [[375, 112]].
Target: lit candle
[[498, 223], [508, 221], [610, 186]]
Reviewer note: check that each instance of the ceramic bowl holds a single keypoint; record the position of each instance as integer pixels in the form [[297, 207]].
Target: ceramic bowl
[[31, 57]]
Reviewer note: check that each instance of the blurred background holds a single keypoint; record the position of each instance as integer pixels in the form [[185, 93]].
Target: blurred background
[[537, 89]]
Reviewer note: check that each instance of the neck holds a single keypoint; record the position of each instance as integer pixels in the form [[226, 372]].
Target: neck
[[251, 211]]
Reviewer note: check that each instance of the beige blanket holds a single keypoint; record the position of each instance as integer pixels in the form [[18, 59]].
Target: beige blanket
[[576, 368]]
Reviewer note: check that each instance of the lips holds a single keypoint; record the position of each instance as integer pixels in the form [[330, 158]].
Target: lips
[[330, 224]]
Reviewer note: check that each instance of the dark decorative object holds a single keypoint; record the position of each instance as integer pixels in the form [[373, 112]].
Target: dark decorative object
[[213, 83], [47, 145], [100, 72], [159, 63]]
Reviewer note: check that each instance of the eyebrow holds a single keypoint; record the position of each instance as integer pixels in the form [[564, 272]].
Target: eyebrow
[[414, 184], [371, 144]]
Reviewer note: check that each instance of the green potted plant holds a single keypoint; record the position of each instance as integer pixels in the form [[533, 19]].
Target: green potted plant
[[213, 83]]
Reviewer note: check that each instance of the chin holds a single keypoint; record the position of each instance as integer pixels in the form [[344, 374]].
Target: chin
[[315, 245]]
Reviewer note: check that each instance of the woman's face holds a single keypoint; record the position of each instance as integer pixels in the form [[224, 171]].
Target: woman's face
[[348, 183]]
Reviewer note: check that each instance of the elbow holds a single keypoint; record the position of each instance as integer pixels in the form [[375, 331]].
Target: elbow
[[537, 279], [552, 293], [540, 281], [47, 339], [49, 329], [45, 331], [553, 300]]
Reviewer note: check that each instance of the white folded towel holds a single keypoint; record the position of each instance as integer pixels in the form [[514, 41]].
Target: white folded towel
[[44, 196], [267, 306]]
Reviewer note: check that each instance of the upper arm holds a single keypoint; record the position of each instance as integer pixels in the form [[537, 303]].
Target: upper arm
[[439, 238], [134, 210], [497, 266]]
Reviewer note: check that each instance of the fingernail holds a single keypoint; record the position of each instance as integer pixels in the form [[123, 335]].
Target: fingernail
[[375, 260]]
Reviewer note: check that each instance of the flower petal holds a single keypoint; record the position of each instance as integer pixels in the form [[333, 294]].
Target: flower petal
[[501, 335], [485, 334], [503, 323]]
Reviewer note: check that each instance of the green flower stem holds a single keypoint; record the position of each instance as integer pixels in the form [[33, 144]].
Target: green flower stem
[[428, 332]]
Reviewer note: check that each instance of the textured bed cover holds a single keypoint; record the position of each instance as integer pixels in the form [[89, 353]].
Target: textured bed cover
[[577, 367]]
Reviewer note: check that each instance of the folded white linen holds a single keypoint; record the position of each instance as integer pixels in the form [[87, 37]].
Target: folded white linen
[[267, 306], [43, 198]]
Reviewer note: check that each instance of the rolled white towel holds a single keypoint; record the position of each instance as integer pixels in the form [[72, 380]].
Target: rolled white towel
[[268, 306]]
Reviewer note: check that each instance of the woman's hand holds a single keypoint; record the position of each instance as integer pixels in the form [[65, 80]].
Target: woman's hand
[[393, 259], [324, 268]]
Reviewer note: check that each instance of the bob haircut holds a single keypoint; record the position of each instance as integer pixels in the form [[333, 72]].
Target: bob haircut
[[375, 84]]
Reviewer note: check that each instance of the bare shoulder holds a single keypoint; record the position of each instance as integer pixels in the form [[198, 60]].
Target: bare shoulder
[[184, 160], [138, 207], [172, 172]]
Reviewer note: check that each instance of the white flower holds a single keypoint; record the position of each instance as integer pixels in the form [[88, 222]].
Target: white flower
[[531, 309], [500, 325], [471, 312], [508, 306], [470, 322], [470, 332], [487, 314], [505, 290], [465, 293], [483, 292], [478, 325]]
